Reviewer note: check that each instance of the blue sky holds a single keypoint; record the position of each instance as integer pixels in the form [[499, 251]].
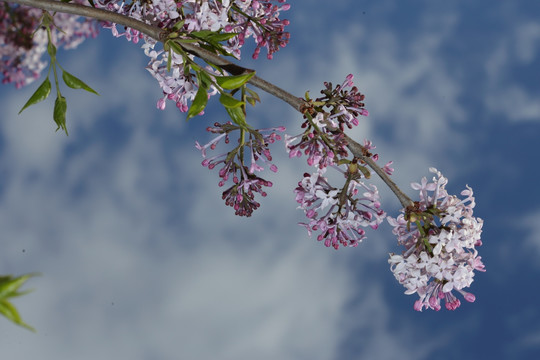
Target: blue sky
[[140, 258]]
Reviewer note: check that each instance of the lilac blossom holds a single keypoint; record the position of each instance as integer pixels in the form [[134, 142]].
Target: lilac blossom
[[440, 236], [241, 194], [339, 215], [321, 141], [260, 19]]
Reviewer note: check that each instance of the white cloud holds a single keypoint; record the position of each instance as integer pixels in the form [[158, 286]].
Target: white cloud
[[531, 224], [506, 96], [528, 42], [514, 102]]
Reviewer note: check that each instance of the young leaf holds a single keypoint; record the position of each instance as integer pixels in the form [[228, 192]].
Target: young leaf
[[222, 36], [179, 25], [365, 171], [10, 312], [230, 102], [237, 116], [51, 49], [252, 97], [9, 285], [199, 102], [40, 94], [176, 47], [75, 83], [203, 34], [169, 59], [234, 81], [59, 114]]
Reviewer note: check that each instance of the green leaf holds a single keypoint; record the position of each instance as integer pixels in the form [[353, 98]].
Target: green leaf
[[9, 311], [365, 171], [205, 79], [179, 25], [237, 116], [59, 114], [222, 36], [176, 47], [169, 58], [212, 37], [252, 97], [203, 34], [51, 49], [75, 83], [40, 94], [9, 285], [229, 101], [199, 102], [234, 81]]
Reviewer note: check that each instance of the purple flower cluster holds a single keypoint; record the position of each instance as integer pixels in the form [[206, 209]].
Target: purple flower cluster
[[259, 19], [21, 49], [323, 141], [346, 212], [241, 194], [440, 236], [356, 205]]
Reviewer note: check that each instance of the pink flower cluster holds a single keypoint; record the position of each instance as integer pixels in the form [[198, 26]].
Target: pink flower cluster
[[259, 19], [21, 50], [346, 214], [440, 236], [241, 195], [320, 141], [354, 206]]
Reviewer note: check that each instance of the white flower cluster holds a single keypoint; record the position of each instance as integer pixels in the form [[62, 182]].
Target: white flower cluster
[[440, 236]]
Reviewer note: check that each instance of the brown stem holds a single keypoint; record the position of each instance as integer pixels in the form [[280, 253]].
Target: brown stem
[[359, 151], [161, 35]]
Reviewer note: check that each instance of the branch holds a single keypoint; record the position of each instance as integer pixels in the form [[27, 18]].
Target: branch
[[358, 152], [161, 35]]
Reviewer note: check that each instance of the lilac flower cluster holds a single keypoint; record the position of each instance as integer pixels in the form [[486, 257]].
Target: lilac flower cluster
[[324, 144], [440, 236], [241, 195], [321, 141], [258, 19], [21, 49], [346, 212]]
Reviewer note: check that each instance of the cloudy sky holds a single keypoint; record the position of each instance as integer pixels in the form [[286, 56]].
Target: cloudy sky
[[140, 258]]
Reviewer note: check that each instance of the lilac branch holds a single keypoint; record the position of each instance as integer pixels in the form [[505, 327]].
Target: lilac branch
[[161, 35], [358, 151]]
